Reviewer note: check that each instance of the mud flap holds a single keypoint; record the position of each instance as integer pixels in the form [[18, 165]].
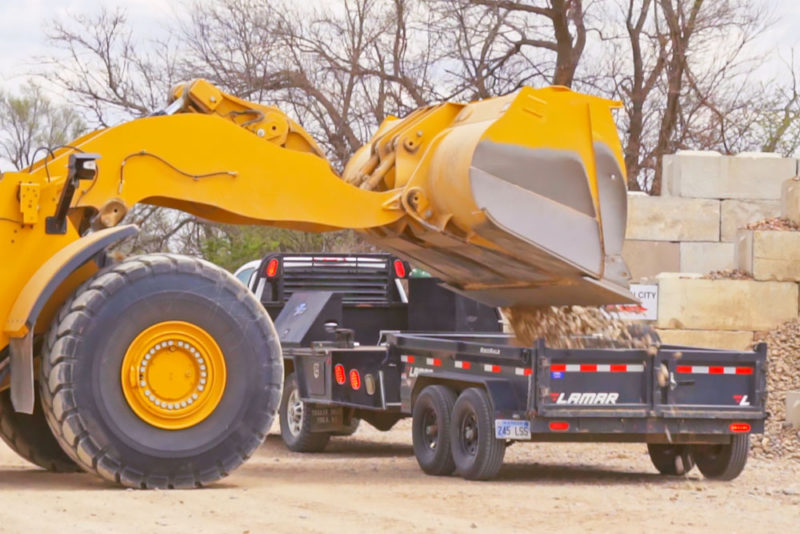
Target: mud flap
[[22, 394], [326, 418]]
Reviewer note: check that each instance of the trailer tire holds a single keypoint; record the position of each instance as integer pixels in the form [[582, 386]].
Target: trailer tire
[[30, 437], [94, 396], [723, 462], [672, 460], [478, 455], [295, 427], [432, 412]]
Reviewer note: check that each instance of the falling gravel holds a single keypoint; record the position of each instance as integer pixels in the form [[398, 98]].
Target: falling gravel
[[574, 327]]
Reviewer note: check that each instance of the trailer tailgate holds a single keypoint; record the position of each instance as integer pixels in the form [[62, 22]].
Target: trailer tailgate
[[674, 382], [711, 383]]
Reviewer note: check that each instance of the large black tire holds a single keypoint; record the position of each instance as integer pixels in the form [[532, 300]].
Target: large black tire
[[478, 455], [430, 430], [31, 437], [674, 460], [295, 427], [82, 392], [723, 462]]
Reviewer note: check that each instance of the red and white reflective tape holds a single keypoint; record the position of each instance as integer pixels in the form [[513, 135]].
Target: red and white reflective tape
[[598, 367], [461, 364], [713, 370]]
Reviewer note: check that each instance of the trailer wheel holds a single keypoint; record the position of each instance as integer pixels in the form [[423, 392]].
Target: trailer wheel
[[723, 462], [161, 372], [430, 430], [478, 455], [674, 460], [29, 436], [295, 426]]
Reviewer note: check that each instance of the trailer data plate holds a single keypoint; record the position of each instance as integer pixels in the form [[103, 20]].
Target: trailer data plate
[[512, 429]]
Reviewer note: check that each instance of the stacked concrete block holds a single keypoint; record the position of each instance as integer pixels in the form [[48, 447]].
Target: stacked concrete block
[[706, 198], [672, 219], [790, 200], [702, 257], [769, 254], [735, 214], [750, 176], [697, 225], [694, 303], [646, 259]]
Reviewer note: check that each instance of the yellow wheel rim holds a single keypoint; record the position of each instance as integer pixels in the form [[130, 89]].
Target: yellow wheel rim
[[173, 375]]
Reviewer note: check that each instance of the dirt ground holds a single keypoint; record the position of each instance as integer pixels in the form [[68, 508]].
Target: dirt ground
[[371, 482]]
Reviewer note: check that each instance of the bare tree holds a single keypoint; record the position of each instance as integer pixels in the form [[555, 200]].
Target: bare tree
[[106, 70], [563, 32], [30, 125]]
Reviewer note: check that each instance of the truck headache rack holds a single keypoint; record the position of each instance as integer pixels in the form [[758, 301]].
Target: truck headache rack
[[359, 279]]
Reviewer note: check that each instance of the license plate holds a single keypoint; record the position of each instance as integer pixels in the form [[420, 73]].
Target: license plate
[[512, 429]]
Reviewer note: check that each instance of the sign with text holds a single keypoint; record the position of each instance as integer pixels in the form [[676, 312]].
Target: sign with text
[[647, 294]]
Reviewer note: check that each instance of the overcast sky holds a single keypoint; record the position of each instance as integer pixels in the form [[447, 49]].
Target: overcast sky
[[23, 25]]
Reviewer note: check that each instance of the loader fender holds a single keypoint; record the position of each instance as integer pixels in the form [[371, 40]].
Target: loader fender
[[34, 296]]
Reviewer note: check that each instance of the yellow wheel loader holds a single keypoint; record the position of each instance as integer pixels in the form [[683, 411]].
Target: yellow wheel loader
[[163, 371]]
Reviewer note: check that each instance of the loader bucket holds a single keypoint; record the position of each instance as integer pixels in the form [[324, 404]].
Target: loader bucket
[[515, 201]]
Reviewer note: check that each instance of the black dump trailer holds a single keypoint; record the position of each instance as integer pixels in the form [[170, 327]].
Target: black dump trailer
[[471, 394], [364, 341]]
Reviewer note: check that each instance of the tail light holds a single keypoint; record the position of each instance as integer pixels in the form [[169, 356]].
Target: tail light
[[355, 380], [339, 374], [400, 270], [559, 426], [739, 428], [272, 268]]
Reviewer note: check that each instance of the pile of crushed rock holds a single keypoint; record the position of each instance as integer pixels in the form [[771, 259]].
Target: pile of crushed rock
[[783, 375]]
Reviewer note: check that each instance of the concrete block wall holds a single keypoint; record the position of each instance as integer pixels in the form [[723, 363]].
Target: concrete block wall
[[695, 227], [706, 198]]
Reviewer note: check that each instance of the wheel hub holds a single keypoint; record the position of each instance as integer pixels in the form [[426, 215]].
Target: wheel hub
[[295, 409], [431, 427], [173, 375], [469, 435]]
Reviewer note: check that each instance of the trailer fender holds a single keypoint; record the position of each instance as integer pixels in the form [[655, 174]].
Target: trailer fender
[[35, 295]]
